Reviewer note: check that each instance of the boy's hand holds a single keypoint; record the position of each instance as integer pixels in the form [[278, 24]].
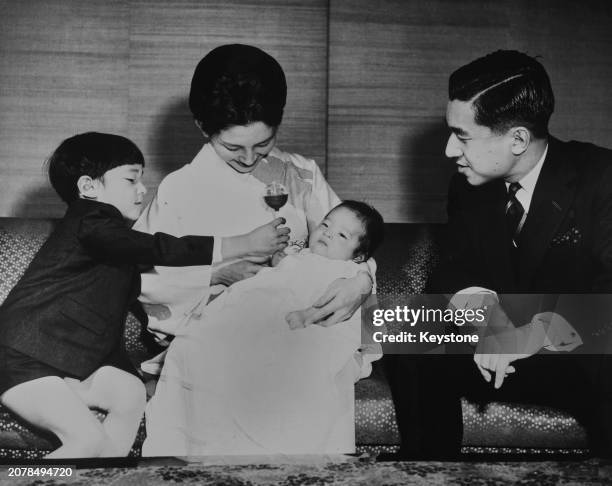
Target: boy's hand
[[269, 238], [262, 241]]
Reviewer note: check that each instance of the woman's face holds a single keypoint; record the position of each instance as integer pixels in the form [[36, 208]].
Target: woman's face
[[243, 146]]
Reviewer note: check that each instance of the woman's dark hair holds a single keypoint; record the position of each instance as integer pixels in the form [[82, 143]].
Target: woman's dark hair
[[237, 84], [92, 154], [506, 88], [373, 226]]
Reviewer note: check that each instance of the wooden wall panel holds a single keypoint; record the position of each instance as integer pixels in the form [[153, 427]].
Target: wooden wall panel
[[63, 70], [389, 67], [169, 39], [125, 67], [574, 41]]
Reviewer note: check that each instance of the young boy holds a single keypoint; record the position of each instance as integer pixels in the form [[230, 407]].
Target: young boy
[[62, 325], [244, 378]]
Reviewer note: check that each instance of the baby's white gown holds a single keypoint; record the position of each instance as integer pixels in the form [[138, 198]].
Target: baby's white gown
[[238, 380]]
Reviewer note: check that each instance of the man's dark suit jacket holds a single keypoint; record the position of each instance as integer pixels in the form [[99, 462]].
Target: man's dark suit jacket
[[565, 245], [69, 308]]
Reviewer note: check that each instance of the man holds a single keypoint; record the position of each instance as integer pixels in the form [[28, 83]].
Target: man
[[527, 214]]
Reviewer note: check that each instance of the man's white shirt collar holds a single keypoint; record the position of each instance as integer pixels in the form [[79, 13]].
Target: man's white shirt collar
[[528, 183]]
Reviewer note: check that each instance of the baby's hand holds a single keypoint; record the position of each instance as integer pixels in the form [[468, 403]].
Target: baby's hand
[[299, 319], [295, 319]]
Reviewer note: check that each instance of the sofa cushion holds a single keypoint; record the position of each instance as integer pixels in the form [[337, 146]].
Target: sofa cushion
[[506, 425], [20, 239], [517, 425]]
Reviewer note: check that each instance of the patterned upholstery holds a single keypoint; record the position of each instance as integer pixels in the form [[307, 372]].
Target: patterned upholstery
[[404, 264], [19, 242]]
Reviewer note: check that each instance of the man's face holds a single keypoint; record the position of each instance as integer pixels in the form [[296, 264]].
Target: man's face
[[480, 154]]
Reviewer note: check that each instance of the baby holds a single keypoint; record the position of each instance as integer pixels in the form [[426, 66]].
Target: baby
[[243, 379]]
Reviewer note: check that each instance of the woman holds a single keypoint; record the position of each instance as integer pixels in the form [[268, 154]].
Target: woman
[[237, 98]]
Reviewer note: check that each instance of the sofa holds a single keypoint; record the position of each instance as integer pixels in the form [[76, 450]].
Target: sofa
[[405, 261]]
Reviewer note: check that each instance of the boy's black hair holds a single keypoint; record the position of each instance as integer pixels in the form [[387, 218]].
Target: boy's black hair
[[507, 88], [91, 154], [373, 226], [237, 84]]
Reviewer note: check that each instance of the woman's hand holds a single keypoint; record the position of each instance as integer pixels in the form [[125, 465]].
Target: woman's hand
[[161, 312], [262, 241], [339, 302], [277, 258], [229, 273]]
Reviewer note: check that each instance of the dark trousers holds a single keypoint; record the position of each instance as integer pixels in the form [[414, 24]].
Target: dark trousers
[[427, 391]]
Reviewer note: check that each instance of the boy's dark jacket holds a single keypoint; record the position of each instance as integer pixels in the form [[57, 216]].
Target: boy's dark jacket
[[69, 308]]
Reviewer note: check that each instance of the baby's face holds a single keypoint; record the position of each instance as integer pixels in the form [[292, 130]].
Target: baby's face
[[337, 237], [122, 187]]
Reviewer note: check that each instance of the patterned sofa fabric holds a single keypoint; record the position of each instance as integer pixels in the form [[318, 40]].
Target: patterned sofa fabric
[[405, 261]]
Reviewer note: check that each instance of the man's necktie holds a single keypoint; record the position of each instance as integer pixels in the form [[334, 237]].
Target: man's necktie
[[514, 213]]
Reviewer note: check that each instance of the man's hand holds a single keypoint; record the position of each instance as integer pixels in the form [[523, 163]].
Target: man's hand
[[499, 364], [496, 352], [339, 302], [229, 273]]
